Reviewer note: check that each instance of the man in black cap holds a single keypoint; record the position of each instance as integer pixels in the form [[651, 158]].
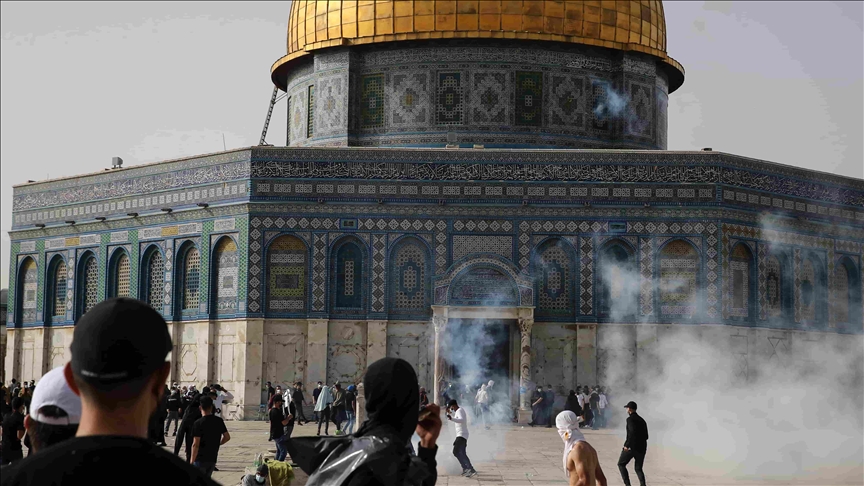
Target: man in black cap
[[118, 369], [635, 446]]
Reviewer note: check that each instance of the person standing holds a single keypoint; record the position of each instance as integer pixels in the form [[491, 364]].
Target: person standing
[[13, 432], [635, 446], [351, 408], [337, 409], [322, 407], [483, 402], [460, 420], [549, 399], [175, 408], [190, 416], [299, 401], [315, 393], [278, 425], [537, 407], [581, 463], [270, 392], [602, 403], [208, 432], [594, 401], [56, 412]]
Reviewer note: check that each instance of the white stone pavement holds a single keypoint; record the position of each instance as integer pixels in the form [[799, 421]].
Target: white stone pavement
[[513, 455]]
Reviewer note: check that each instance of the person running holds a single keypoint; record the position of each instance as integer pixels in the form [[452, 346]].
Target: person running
[[118, 369], [483, 402], [192, 414], [209, 433], [350, 408], [635, 446], [315, 394], [581, 463], [460, 420]]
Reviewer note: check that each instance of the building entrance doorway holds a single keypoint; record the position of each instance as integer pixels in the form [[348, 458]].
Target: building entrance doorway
[[480, 351]]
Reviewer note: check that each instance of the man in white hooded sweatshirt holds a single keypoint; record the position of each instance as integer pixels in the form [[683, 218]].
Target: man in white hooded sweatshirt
[[580, 459]]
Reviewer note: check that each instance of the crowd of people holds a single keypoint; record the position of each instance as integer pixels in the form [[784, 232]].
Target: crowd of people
[[330, 404], [587, 403]]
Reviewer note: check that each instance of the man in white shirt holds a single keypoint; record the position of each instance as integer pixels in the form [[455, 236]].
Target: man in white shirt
[[603, 404], [460, 420], [222, 395]]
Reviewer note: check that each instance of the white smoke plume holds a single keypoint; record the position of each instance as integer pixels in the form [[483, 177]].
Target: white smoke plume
[[791, 406]]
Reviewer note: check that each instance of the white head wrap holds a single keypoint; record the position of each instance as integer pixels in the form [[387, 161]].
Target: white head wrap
[[568, 428]]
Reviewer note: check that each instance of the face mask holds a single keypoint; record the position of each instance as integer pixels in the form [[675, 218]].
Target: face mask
[[259, 479]]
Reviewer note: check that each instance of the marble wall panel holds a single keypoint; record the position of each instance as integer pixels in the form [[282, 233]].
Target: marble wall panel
[[346, 352]]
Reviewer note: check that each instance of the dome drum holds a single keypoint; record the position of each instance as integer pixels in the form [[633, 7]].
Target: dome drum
[[494, 93]]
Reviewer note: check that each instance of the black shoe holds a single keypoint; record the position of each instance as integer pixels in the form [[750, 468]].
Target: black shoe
[[471, 474]]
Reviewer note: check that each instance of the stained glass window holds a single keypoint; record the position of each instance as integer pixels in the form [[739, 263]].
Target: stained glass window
[[60, 289], [122, 272], [191, 279], [348, 285], [840, 304], [739, 267], [156, 281], [225, 276], [27, 289], [90, 287], [679, 279], [808, 291], [774, 287], [286, 286]]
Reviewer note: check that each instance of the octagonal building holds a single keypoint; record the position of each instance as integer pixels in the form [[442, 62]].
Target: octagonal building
[[479, 187]]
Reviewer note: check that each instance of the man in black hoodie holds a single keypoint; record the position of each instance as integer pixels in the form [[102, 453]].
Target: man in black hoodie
[[635, 446], [393, 415], [193, 413]]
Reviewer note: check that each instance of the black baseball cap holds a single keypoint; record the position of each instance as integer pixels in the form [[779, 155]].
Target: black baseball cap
[[631, 404], [119, 340]]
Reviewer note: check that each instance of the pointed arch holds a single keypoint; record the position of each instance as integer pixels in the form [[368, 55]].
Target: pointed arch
[[348, 276], [812, 290], [778, 285], [741, 282], [554, 270], [119, 274], [87, 281], [410, 278], [55, 297], [225, 272], [287, 276], [152, 287], [28, 282], [188, 279], [618, 280], [846, 295], [680, 282]]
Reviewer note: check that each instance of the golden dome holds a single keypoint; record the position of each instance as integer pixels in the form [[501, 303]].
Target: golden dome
[[623, 25]]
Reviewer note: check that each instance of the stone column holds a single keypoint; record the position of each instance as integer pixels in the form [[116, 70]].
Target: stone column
[[376, 341], [316, 350], [248, 367], [525, 325], [360, 413], [440, 324]]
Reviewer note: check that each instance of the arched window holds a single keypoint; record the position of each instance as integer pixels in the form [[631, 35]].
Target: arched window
[[191, 280], [55, 308], [347, 277], [119, 273], [409, 290], [287, 270], [742, 296], [554, 271], [618, 282], [154, 279], [811, 291], [778, 286], [679, 280], [225, 266], [88, 283], [28, 281], [840, 302]]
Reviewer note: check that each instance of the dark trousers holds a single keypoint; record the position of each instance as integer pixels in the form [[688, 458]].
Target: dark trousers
[[172, 417], [324, 417], [625, 459], [281, 447], [8, 457], [206, 467], [459, 446], [185, 434], [300, 415]]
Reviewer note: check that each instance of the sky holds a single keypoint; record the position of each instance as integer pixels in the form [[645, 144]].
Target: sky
[[86, 81]]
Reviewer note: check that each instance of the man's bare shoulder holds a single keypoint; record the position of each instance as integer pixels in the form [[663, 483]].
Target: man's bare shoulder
[[583, 447]]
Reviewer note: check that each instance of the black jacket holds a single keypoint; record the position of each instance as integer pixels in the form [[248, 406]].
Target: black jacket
[[637, 433]]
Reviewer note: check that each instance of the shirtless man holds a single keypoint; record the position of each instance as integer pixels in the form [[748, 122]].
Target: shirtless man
[[580, 459]]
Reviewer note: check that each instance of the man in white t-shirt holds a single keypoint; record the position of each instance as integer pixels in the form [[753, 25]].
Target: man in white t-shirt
[[460, 420], [222, 395]]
